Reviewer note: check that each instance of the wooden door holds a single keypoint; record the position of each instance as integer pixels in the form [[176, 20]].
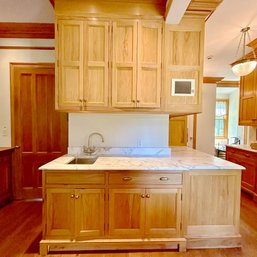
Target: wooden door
[[126, 212], [248, 100], [178, 131], [163, 212], [89, 208], [149, 64], [69, 65], [96, 79], [39, 130], [124, 63], [60, 213]]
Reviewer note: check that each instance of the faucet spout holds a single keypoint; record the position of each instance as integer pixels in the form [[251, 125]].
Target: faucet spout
[[90, 148]]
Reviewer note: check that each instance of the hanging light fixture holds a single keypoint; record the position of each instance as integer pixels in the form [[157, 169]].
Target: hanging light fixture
[[244, 65]]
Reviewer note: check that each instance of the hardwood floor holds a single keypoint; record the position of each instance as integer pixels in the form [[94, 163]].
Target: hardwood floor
[[20, 232]]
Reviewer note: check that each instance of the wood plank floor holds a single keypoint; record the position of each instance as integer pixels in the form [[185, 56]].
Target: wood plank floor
[[20, 232]]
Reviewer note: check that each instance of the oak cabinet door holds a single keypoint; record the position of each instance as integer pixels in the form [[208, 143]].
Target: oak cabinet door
[[136, 80], [149, 64], [82, 64], [96, 78], [126, 212], [163, 212], [69, 72], [124, 63], [60, 213], [89, 207]]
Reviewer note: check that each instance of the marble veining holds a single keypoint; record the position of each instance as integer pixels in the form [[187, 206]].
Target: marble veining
[[182, 158]]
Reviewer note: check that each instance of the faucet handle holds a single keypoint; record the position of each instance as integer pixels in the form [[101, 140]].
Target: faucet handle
[[88, 150]]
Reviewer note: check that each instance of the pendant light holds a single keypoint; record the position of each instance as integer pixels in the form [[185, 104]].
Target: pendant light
[[244, 65]]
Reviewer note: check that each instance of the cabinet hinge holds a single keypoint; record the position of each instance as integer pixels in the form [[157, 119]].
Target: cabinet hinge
[[180, 225], [181, 197]]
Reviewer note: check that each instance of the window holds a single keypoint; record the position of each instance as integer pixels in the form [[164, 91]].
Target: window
[[221, 121]]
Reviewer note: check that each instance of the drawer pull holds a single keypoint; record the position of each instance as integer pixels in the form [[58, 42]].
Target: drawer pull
[[142, 196], [147, 196], [247, 155], [164, 178], [126, 178], [76, 196], [72, 196]]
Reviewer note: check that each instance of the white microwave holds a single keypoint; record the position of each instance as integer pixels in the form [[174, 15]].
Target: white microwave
[[183, 87]]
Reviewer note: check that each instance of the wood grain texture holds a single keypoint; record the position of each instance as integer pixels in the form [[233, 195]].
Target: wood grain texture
[[26, 30], [20, 232]]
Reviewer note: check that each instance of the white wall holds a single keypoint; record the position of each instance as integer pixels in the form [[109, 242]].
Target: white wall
[[206, 121], [16, 56], [120, 130]]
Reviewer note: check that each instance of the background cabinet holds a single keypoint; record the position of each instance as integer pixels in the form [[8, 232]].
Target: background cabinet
[[248, 100], [248, 160], [82, 64], [5, 176], [136, 71]]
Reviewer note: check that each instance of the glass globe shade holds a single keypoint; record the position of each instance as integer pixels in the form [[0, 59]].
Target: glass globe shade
[[244, 67]]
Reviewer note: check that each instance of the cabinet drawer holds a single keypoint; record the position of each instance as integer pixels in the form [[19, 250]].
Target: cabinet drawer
[[241, 156], [75, 178], [145, 178]]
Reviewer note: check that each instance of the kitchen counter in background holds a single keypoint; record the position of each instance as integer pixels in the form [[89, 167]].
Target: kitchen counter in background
[[181, 158], [243, 147]]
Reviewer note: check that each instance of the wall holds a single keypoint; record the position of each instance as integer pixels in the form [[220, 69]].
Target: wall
[[120, 130], [16, 56], [206, 120]]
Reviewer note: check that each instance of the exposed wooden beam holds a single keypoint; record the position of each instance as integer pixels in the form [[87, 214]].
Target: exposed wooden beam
[[26, 30], [212, 80], [228, 83], [175, 10]]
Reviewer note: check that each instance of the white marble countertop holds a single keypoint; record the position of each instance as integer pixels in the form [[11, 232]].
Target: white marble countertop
[[182, 158], [244, 147]]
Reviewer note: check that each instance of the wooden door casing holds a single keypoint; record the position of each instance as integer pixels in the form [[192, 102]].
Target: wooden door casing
[[40, 132]]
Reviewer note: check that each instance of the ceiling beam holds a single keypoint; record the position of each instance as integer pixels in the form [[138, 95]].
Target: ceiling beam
[[175, 10], [26, 30]]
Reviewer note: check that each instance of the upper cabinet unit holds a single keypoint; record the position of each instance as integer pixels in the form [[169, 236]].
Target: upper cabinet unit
[[136, 70], [82, 64], [183, 66], [115, 56]]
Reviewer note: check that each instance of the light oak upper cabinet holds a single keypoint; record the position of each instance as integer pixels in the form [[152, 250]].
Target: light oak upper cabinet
[[136, 69], [184, 64], [248, 100], [82, 64]]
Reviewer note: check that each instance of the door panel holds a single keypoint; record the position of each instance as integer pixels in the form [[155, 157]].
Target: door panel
[[39, 130]]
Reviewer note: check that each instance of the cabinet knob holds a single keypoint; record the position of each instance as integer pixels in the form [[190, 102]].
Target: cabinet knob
[[164, 178], [85, 101], [143, 196], [72, 196], [138, 101], [147, 196], [76, 196], [126, 178], [133, 101]]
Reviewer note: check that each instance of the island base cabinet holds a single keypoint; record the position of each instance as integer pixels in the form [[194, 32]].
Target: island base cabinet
[[74, 213], [212, 208], [145, 213]]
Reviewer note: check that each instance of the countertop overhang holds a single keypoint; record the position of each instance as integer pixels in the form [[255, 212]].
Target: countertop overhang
[[182, 158]]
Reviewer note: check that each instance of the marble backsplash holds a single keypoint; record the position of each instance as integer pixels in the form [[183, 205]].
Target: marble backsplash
[[125, 151]]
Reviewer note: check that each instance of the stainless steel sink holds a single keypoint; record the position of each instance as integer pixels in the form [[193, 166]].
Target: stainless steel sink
[[81, 160]]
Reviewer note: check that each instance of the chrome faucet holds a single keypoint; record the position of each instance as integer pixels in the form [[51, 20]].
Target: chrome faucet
[[90, 148]]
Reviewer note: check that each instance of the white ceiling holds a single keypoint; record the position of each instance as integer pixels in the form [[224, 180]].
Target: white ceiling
[[223, 34], [221, 37]]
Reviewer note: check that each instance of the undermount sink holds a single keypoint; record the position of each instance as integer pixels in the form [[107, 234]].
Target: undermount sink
[[88, 160]]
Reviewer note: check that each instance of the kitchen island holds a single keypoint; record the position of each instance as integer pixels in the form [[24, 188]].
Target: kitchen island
[[188, 200]]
